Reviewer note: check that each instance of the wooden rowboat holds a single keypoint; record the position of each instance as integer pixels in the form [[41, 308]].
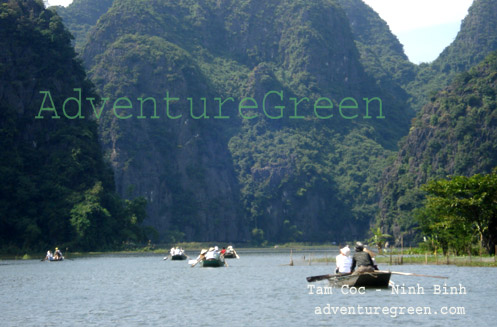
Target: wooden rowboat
[[181, 256], [213, 262], [374, 279], [377, 278]]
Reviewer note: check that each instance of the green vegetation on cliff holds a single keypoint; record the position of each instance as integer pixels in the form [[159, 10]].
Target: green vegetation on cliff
[[288, 179], [382, 55], [81, 16], [56, 189], [454, 134], [221, 179]]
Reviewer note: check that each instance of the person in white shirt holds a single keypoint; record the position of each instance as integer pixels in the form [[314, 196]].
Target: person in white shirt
[[211, 254], [49, 256], [343, 261]]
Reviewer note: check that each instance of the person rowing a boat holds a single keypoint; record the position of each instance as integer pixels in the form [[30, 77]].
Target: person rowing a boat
[[58, 254], [213, 253], [362, 260], [202, 254], [372, 254], [343, 261]]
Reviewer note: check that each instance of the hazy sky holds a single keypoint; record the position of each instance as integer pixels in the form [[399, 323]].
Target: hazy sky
[[424, 27]]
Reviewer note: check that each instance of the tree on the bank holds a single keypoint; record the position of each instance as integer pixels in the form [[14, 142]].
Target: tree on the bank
[[379, 238], [461, 210]]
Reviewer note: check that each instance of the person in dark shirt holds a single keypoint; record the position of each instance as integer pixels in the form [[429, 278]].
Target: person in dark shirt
[[362, 260]]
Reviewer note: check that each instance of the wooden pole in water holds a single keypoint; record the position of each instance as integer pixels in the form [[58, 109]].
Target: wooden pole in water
[[481, 247], [291, 257], [402, 249], [426, 258]]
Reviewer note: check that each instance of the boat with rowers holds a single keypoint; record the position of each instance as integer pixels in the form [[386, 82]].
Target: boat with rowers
[[213, 258], [373, 279], [56, 256], [231, 253], [210, 258], [178, 254]]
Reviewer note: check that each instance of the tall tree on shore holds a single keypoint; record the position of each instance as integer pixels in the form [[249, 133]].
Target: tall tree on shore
[[461, 209]]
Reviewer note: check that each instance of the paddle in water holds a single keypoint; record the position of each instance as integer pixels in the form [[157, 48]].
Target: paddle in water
[[413, 274], [321, 277]]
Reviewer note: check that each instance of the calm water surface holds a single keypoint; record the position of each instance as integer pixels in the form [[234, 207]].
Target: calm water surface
[[257, 290]]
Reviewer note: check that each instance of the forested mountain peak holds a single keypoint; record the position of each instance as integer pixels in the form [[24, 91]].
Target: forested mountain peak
[[476, 39], [56, 188], [454, 134]]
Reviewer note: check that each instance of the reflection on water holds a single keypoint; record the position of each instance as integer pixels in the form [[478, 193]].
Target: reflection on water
[[260, 289]]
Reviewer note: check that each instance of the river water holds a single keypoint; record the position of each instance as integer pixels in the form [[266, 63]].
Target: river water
[[259, 289]]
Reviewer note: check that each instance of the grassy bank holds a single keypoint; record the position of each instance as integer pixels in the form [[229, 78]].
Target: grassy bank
[[419, 259]]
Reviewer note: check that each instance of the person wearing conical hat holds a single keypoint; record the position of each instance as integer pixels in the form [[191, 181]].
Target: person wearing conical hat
[[201, 256]]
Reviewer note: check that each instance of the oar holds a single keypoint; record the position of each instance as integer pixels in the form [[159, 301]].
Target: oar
[[166, 257], [236, 254], [225, 262], [412, 274], [321, 277], [198, 260]]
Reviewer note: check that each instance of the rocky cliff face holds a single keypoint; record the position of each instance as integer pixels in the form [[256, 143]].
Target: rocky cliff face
[[382, 55], [180, 165], [221, 178]]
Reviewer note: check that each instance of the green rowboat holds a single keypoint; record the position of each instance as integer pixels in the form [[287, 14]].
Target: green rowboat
[[213, 262]]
